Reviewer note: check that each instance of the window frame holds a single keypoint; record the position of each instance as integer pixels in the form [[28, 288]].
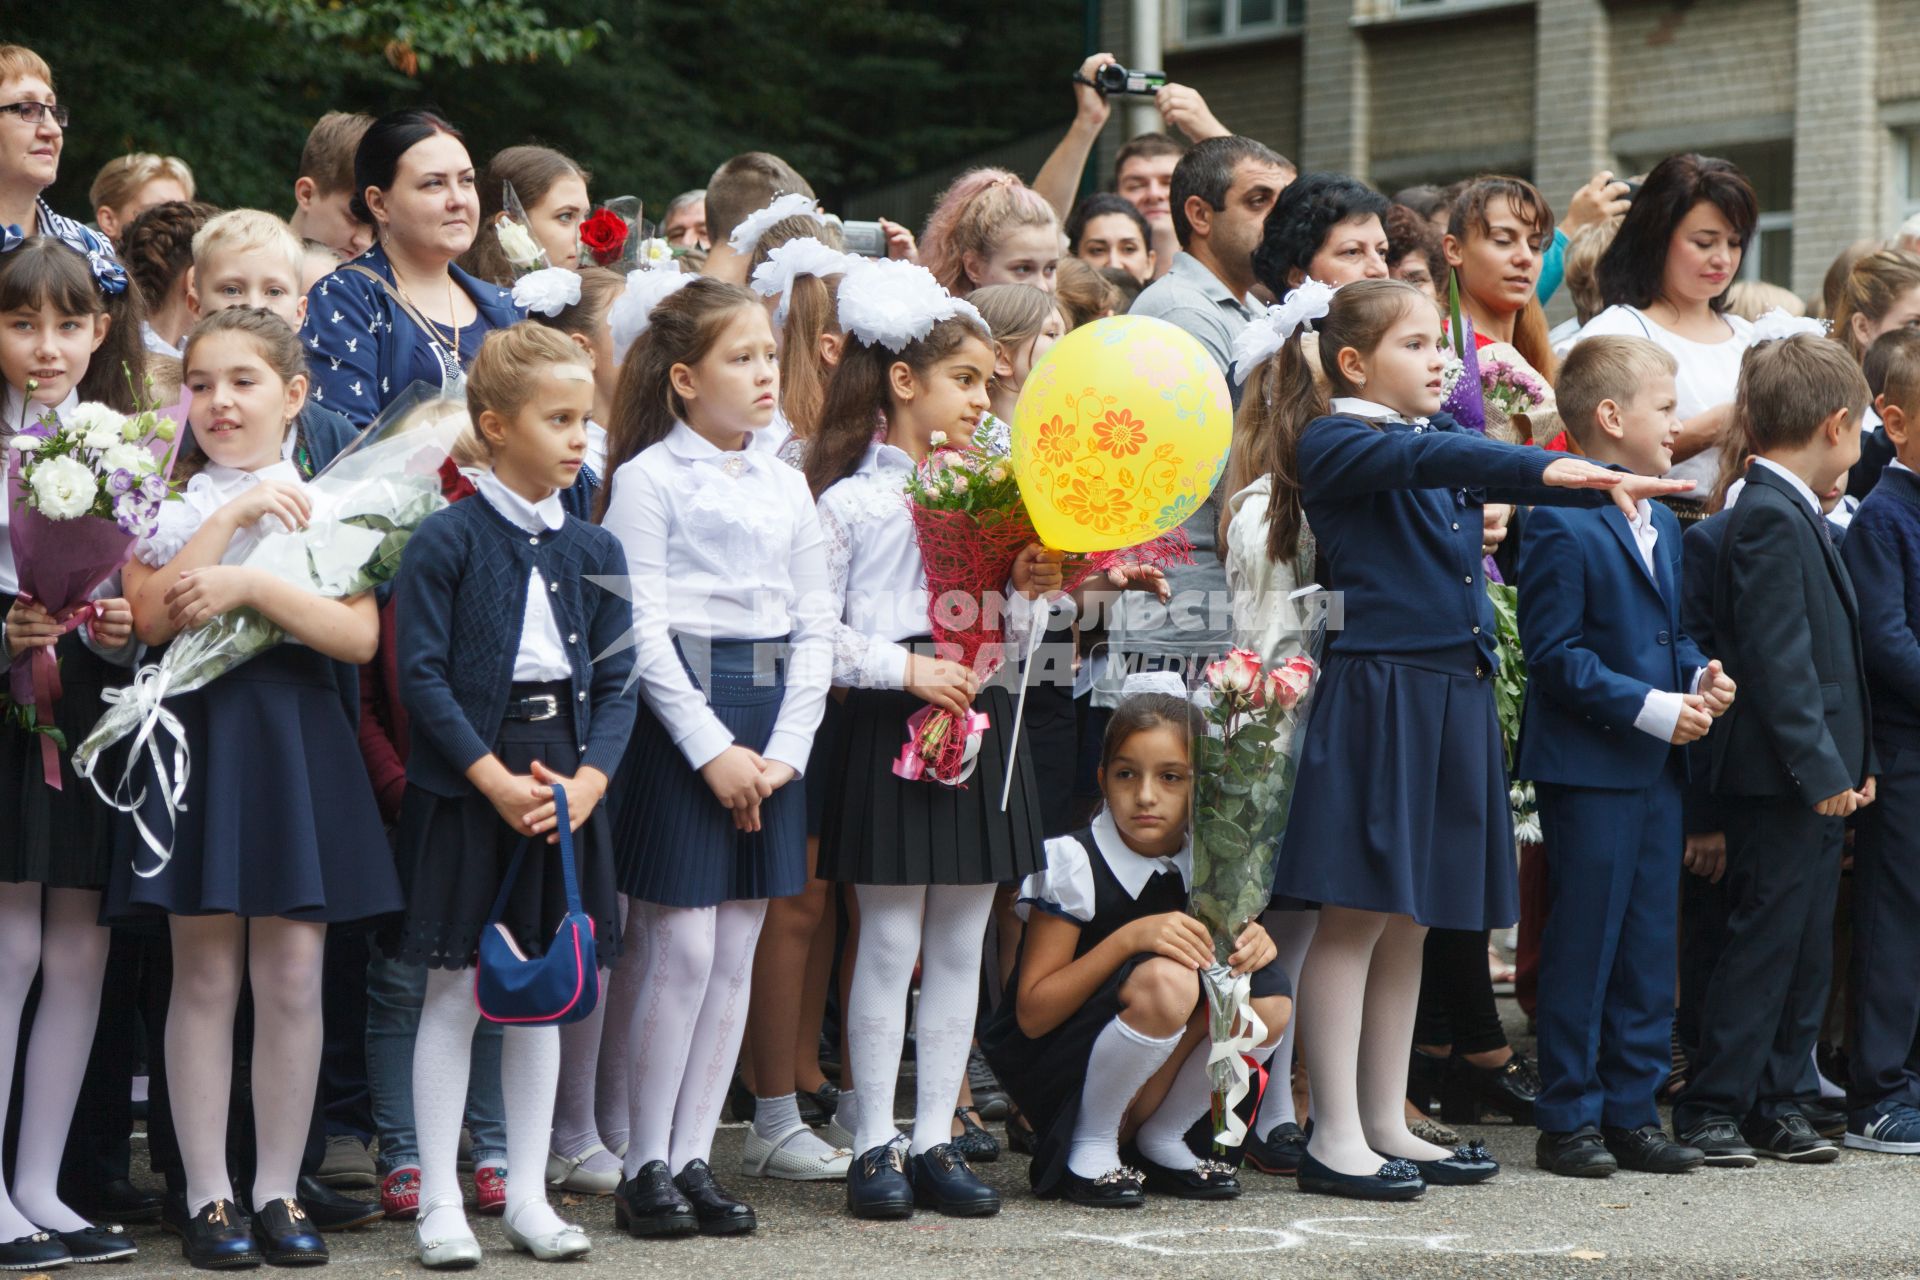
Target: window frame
[[1290, 20]]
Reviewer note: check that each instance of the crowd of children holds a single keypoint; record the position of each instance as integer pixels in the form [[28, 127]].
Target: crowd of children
[[642, 686]]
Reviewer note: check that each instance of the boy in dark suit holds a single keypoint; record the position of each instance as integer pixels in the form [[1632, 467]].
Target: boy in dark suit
[[1882, 553], [1614, 687], [1790, 762]]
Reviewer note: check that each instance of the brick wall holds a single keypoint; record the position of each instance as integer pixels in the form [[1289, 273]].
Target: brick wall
[[1254, 89], [1711, 61]]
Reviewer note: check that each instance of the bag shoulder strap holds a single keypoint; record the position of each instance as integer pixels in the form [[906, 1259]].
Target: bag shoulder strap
[[565, 829]]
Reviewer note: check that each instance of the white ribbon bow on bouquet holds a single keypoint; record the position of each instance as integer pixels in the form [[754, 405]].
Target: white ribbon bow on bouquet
[[1230, 1005]]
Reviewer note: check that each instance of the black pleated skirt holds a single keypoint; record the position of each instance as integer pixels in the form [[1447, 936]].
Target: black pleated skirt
[[820, 764], [59, 838], [279, 818], [882, 829], [454, 851], [675, 845]]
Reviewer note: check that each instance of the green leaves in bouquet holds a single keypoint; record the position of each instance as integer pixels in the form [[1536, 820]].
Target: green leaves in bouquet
[[23, 716], [1510, 681]]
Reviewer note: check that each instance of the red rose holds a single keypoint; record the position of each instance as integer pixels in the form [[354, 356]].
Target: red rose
[[604, 235]]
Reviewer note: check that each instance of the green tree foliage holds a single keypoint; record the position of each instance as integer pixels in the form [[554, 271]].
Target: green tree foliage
[[649, 95]]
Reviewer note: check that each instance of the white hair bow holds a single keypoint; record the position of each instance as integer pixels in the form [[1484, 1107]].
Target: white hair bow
[[1269, 330], [788, 262], [1139, 682], [792, 205], [647, 288], [893, 302], [548, 291], [1780, 323]]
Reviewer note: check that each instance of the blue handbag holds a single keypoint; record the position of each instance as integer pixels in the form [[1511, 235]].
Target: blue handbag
[[553, 989]]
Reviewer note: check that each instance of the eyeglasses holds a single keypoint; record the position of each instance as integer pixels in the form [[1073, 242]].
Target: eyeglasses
[[35, 112]]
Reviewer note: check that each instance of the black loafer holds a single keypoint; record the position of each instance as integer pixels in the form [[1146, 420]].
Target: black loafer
[[1278, 1153], [1648, 1149], [649, 1204], [220, 1238], [1579, 1154], [943, 1182], [1121, 1188], [1393, 1180], [329, 1210], [975, 1143], [286, 1235], [878, 1185], [818, 1105], [1468, 1164], [97, 1244], [1207, 1180], [1789, 1137], [40, 1251], [1719, 1141], [115, 1201], [718, 1213], [1827, 1120]]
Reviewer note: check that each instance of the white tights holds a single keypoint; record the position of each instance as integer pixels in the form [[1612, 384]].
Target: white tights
[[529, 1072], [1359, 989], [283, 960], [689, 1017], [1291, 932], [68, 948], [944, 926]]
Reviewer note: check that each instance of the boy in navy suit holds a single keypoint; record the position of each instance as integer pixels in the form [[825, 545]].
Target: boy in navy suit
[[1614, 687], [1790, 762], [1882, 553]]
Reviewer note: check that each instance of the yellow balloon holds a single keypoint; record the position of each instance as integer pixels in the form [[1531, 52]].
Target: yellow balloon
[[1121, 432]]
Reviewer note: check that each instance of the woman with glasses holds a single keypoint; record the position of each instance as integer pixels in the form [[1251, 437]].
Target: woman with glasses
[[33, 128]]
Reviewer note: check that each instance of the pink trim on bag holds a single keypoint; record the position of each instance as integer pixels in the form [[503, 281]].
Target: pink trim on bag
[[579, 987]]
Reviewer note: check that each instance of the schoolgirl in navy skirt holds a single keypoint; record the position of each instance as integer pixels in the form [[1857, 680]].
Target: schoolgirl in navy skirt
[[1400, 818], [732, 634], [513, 667]]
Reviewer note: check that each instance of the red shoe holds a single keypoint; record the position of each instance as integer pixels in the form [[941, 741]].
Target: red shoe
[[490, 1190], [400, 1193]]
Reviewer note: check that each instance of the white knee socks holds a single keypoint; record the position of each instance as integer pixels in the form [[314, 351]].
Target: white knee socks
[[1122, 1060]]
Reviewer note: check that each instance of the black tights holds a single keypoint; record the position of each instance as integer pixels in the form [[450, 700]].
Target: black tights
[[1456, 994]]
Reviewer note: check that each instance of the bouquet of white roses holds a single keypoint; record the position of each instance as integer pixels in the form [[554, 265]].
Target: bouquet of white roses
[[367, 503]]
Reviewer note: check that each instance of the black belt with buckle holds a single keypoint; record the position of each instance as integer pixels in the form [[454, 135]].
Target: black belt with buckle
[[535, 702]]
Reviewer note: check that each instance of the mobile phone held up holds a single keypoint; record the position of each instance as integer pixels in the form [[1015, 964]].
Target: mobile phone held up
[[868, 239]]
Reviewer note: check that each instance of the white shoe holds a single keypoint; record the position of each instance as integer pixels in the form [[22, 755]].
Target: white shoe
[[449, 1253], [569, 1241], [764, 1158], [565, 1174], [837, 1135]]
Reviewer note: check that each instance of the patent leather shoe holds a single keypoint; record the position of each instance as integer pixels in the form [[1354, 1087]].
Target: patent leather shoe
[[718, 1213], [286, 1235], [943, 1182], [1393, 1180], [1468, 1164], [220, 1238], [649, 1204], [878, 1185]]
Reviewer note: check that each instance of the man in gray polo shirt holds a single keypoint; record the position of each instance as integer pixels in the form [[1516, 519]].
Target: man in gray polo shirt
[[1222, 191]]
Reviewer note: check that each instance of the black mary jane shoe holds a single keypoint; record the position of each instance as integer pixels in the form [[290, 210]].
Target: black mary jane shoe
[[220, 1238], [649, 1204], [1468, 1164], [1121, 1188], [975, 1143], [286, 1235], [1207, 1180], [943, 1182], [1278, 1153], [718, 1213], [98, 1244], [41, 1251], [878, 1185], [1393, 1180], [1468, 1092], [115, 1201]]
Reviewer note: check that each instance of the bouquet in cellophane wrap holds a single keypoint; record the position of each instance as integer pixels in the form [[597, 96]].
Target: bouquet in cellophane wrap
[[367, 504], [1243, 773], [972, 525]]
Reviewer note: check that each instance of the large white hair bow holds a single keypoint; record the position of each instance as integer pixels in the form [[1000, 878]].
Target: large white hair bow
[[548, 291], [893, 302], [788, 262], [1269, 330], [647, 288], [792, 205], [1780, 323]]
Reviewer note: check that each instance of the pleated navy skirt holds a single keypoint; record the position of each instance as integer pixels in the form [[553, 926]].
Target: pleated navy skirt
[[59, 838], [279, 817], [882, 829], [1400, 804], [675, 845], [453, 852]]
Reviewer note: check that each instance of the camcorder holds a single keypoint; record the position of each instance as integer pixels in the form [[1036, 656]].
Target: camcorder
[[1116, 79]]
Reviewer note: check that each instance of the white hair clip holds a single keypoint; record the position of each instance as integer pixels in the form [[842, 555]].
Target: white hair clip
[[1780, 323], [548, 291], [892, 302], [786, 263], [1268, 331], [792, 205], [1168, 682], [647, 288]]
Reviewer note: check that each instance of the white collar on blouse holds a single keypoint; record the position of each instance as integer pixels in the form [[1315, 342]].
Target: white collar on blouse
[[548, 513], [686, 443], [1368, 409], [881, 456], [12, 422], [230, 481], [1132, 870]]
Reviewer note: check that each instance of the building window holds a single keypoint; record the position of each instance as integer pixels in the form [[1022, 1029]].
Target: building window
[[1906, 176], [1226, 19]]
